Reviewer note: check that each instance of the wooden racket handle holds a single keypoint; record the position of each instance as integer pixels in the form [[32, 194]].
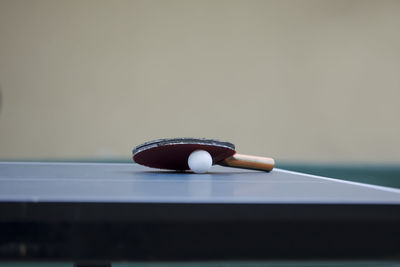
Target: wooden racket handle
[[248, 162]]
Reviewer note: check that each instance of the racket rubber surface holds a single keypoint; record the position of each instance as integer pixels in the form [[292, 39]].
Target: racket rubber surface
[[172, 154]]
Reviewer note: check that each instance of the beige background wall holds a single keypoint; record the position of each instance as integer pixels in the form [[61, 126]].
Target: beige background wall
[[297, 80]]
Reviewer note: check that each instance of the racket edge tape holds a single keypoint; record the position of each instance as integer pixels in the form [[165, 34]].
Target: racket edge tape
[[178, 141]]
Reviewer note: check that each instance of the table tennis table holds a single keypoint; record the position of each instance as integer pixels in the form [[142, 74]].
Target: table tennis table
[[99, 213]]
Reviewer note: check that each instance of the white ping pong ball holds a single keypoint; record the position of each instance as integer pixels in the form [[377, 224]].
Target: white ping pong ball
[[200, 161]]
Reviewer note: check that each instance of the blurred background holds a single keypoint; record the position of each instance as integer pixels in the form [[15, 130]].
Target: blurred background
[[301, 81]]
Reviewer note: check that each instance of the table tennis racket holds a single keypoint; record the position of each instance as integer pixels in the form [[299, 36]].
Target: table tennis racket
[[173, 153]]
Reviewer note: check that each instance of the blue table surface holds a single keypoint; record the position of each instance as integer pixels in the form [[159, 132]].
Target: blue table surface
[[102, 182]]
